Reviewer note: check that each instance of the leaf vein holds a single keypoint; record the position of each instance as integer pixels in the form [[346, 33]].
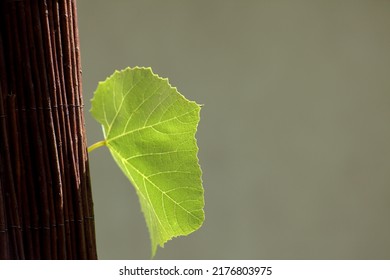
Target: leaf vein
[[120, 106], [109, 139]]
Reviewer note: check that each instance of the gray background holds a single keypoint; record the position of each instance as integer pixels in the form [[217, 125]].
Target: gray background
[[294, 136]]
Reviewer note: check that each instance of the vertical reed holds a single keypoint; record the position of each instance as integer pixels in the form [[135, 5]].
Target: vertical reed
[[46, 209]]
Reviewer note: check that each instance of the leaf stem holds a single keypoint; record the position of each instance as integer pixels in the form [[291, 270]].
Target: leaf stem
[[97, 145]]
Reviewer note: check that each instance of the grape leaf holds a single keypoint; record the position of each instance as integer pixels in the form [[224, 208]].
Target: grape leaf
[[149, 128]]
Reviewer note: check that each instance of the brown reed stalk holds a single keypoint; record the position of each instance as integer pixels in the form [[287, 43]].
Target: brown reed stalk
[[46, 208]]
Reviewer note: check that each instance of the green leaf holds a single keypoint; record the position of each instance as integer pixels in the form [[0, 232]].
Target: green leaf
[[149, 128]]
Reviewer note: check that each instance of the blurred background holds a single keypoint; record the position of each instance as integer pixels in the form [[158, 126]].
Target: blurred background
[[295, 130]]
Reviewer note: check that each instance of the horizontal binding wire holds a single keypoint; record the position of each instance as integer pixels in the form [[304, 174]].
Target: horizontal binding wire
[[44, 228], [3, 228], [3, 116], [60, 106], [67, 221], [13, 226], [68, 106]]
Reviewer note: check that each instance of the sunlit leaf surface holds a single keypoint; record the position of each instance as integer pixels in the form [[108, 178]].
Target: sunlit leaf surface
[[150, 129]]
